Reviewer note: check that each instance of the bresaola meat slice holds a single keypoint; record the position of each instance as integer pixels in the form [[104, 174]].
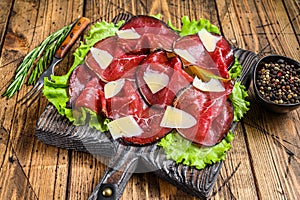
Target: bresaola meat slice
[[223, 56], [158, 64], [78, 80], [120, 64], [154, 34], [123, 67], [149, 121], [213, 113], [92, 96], [127, 102], [191, 49]]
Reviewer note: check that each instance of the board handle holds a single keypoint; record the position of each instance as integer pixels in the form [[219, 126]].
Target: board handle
[[118, 173]]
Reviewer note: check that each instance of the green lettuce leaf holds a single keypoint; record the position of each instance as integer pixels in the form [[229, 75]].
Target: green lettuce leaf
[[238, 100], [183, 151], [87, 116], [239, 94], [56, 89], [235, 70], [194, 26], [157, 16]]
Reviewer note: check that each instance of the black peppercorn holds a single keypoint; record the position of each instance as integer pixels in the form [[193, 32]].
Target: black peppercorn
[[279, 82]]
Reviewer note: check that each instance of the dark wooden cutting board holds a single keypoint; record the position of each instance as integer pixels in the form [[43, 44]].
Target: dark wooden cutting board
[[56, 130]]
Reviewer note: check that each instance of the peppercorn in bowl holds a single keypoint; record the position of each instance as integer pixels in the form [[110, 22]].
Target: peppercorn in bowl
[[276, 83]]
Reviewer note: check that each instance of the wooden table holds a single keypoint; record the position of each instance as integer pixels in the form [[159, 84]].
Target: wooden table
[[264, 162]]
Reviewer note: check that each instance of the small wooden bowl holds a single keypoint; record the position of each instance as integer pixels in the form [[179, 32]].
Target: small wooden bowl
[[268, 104]]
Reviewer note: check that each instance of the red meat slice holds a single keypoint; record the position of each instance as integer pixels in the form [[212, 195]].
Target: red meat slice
[[150, 124], [180, 79], [127, 102], [154, 34], [122, 65], [92, 96], [220, 126], [223, 56], [193, 45], [77, 82], [158, 62], [217, 62], [213, 113]]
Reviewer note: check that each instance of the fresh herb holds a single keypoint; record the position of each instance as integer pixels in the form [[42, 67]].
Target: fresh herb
[[39, 58]]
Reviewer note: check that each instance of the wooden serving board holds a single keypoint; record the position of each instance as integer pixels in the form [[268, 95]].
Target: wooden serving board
[[56, 130]]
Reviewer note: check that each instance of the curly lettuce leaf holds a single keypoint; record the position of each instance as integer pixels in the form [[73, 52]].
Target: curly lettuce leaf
[[87, 116], [56, 89], [194, 26], [183, 151], [238, 100], [236, 70], [157, 16], [239, 94]]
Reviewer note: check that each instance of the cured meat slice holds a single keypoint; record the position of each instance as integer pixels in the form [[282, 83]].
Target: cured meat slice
[[195, 53], [154, 34], [223, 56], [180, 79], [126, 102], [81, 75], [217, 61], [220, 125], [150, 124], [118, 63], [138, 56], [123, 67], [213, 113], [92, 96], [158, 64]]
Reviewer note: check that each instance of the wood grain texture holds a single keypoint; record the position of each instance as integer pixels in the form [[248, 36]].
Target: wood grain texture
[[30, 23], [264, 160], [261, 16], [5, 12]]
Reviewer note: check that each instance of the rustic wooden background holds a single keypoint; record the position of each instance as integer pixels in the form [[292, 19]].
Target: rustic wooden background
[[264, 162]]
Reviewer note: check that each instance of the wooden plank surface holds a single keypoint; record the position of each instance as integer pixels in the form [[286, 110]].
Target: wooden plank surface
[[264, 160]]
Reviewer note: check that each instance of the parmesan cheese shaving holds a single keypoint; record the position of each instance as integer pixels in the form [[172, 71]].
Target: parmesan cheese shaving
[[103, 58]]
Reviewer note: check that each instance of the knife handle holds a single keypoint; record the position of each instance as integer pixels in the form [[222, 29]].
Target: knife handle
[[71, 38]]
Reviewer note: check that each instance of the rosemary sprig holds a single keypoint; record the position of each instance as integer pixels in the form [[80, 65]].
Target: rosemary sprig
[[39, 58]]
